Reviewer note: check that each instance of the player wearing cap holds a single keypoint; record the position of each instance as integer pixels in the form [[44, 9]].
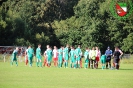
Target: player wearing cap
[[108, 54]]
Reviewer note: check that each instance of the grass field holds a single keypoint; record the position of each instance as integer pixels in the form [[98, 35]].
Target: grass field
[[36, 77]]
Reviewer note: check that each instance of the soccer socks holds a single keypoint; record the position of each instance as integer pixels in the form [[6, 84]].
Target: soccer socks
[[26, 62], [78, 65], [66, 64], [106, 65], [103, 67], [40, 64], [71, 65], [16, 63], [60, 65], [11, 63], [86, 65], [37, 64]]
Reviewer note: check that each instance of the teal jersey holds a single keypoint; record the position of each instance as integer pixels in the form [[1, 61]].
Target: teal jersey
[[72, 53], [49, 52], [78, 52], [86, 55], [66, 51], [30, 52], [103, 57], [14, 54], [60, 51], [38, 52]]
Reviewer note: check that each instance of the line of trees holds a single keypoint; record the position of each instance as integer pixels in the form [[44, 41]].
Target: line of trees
[[60, 22]]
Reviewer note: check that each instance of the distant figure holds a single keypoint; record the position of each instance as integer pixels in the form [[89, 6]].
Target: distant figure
[[72, 57], [14, 56], [38, 56], [22, 53], [60, 57], [92, 56], [103, 61], [116, 56], [98, 55], [108, 54], [30, 55], [66, 57], [55, 54], [86, 57], [78, 53], [26, 56], [49, 56]]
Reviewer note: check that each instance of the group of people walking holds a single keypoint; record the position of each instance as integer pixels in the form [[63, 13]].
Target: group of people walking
[[75, 55]]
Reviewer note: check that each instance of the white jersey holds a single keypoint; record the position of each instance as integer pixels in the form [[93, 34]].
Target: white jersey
[[26, 52], [55, 53], [98, 53]]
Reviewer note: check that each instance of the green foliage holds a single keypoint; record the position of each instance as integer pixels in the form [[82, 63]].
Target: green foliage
[[60, 22]]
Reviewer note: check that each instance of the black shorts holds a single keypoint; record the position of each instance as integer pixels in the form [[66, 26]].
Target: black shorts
[[108, 60], [116, 60]]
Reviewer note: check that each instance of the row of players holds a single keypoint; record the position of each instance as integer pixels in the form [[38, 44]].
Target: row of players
[[91, 57]]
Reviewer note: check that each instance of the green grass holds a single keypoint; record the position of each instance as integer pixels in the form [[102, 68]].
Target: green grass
[[36, 77]]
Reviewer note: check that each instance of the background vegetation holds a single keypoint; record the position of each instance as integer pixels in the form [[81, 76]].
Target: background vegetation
[[58, 22]]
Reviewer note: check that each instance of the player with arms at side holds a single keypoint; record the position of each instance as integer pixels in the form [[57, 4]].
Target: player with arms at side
[[60, 56], [49, 56], [92, 57], [116, 56], [98, 55], [55, 56], [103, 61], [78, 56], [26, 56], [14, 56], [108, 54], [66, 51], [38, 56], [72, 57], [30, 55], [86, 57]]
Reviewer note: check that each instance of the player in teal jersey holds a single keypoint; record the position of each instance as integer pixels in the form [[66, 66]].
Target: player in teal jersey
[[78, 56], [60, 56], [72, 57], [103, 61], [14, 56], [66, 52], [86, 57], [49, 56], [38, 55], [30, 53]]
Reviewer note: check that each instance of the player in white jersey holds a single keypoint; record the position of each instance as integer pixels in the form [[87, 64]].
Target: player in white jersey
[[55, 56]]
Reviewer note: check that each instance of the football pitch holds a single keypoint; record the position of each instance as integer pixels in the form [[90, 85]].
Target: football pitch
[[36, 77]]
